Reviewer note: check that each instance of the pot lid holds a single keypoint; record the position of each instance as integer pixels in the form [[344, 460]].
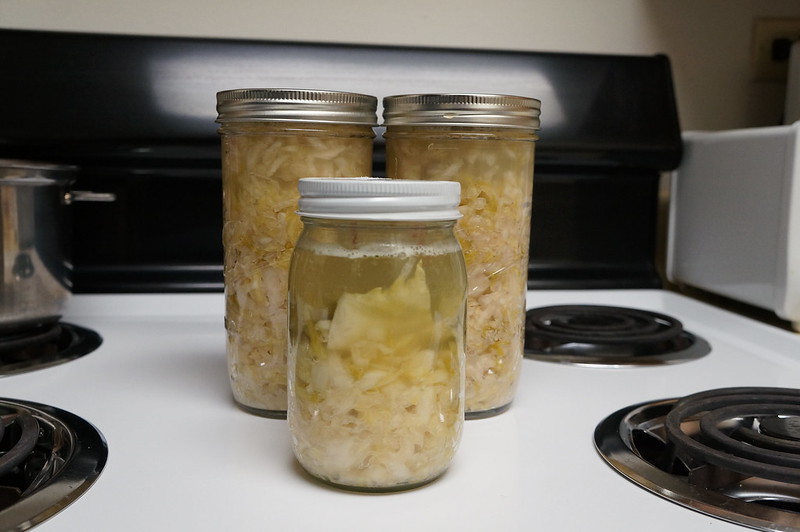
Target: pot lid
[[35, 173]]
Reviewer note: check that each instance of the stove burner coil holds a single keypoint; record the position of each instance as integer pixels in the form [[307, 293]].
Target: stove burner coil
[[731, 453], [29, 338], [594, 323], [729, 436], [22, 431], [598, 335]]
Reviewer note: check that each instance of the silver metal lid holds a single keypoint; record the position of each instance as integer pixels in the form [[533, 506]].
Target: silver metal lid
[[296, 105], [484, 110]]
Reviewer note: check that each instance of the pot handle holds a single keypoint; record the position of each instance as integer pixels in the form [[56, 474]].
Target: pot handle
[[87, 195]]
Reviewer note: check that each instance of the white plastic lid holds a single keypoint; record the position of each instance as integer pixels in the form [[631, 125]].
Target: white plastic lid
[[379, 199]]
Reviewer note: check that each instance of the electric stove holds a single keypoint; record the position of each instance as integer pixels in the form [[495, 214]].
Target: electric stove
[[183, 456]]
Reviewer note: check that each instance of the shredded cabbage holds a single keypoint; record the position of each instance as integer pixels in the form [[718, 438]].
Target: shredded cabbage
[[495, 169], [377, 396], [261, 163]]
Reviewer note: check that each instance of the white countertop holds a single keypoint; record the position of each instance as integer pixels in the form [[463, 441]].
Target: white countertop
[[182, 456]]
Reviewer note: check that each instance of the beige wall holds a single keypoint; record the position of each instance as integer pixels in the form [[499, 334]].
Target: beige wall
[[708, 41]]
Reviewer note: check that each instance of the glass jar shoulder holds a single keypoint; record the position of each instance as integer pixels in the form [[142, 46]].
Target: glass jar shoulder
[[461, 133], [296, 128]]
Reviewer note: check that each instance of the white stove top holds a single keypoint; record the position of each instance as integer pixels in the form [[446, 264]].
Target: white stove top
[[182, 456]]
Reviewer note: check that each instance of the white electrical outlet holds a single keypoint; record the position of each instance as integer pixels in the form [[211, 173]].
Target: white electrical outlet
[[765, 32]]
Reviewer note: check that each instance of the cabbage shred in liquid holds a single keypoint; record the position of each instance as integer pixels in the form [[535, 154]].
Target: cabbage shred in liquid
[[486, 143]]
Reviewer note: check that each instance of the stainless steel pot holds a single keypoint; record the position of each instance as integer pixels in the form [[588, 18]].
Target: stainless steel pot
[[35, 234]]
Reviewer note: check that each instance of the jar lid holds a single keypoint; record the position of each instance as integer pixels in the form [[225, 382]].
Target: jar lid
[[296, 105], [379, 199], [483, 110]]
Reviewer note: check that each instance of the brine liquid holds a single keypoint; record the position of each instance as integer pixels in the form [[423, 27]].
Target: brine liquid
[[332, 271]]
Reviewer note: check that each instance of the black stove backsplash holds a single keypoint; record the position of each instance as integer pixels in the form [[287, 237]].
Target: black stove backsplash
[[136, 114]]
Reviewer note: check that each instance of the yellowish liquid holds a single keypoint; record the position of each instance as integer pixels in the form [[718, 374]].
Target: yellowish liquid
[[376, 360]]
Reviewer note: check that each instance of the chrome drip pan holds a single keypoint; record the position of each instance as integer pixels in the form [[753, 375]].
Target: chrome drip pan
[[730, 453], [48, 458], [44, 346]]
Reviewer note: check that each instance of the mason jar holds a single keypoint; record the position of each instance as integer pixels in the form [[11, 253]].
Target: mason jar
[[486, 143], [270, 139], [377, 297]]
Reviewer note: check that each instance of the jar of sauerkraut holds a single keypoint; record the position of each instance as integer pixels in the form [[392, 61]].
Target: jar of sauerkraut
[[270, 139], [486, 143], [377, 297]]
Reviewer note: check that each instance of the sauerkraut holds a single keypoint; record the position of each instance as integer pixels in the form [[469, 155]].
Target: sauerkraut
[[261, 163], [495, 169], [377, 363]]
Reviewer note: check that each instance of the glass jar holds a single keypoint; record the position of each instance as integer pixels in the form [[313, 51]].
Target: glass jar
[[486, 143], [377, 297], [270, 139]]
